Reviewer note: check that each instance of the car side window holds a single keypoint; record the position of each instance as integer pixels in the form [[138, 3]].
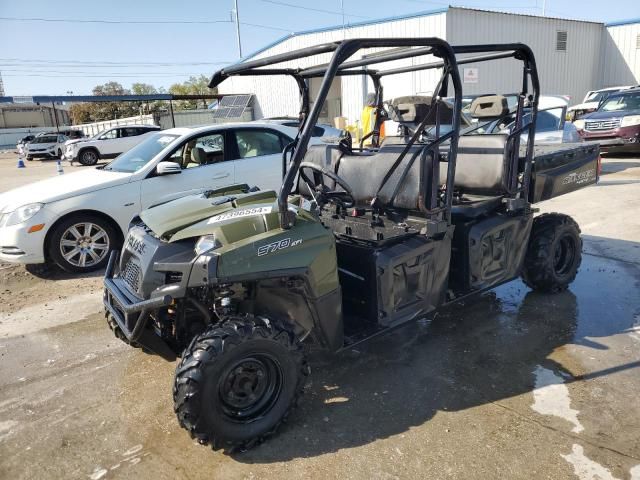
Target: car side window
[[256, 143], [204, 150], [130, 132], [109, 135]]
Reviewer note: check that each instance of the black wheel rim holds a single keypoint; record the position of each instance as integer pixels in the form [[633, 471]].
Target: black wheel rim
[[564, 255], [250, 387]]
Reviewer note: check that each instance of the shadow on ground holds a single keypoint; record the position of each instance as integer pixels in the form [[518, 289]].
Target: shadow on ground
[[471, 354]]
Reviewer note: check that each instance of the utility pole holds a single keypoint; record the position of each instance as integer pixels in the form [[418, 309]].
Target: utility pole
[[1, 86], [344, 34], [237, 15], [544, 7]]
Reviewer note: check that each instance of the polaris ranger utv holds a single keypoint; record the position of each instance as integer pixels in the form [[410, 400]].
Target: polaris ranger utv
[[356, 242]]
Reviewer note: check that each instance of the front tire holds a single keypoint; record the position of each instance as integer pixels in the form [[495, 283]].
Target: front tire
[[554, 253], [238, 382], [88, 157], [117, 331], [81, 243]]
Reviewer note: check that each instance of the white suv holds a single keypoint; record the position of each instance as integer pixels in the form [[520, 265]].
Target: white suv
[[49, 145], [107, 144]]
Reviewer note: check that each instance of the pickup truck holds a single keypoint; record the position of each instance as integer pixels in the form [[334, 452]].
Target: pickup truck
[[106, 144]]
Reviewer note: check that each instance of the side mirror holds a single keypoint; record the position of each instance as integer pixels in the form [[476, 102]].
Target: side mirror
[[168, 168]]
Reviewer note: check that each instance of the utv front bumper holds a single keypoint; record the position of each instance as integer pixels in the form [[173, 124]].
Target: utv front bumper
[[132, 314]]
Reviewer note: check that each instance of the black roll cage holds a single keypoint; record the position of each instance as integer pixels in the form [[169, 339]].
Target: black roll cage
[[339, 66]]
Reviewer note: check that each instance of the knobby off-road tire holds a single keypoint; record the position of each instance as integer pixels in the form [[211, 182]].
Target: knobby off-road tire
[[554, 253], [238, 382]]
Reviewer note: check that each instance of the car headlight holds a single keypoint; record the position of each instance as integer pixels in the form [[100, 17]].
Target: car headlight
[[206, 243], [579, 124], [22, 214], [630, 120]]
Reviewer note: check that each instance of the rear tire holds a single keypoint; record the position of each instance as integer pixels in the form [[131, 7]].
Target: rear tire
[[238, 381], [88, 157], [554, 253], [76, 250]]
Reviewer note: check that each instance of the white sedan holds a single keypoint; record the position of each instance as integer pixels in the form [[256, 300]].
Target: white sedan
[[74, 220]]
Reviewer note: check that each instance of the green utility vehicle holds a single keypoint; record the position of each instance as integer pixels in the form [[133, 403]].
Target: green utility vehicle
[[237, 281]]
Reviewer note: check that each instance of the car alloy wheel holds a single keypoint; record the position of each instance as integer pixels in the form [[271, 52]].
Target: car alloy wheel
[[89, 157], [84, 244]]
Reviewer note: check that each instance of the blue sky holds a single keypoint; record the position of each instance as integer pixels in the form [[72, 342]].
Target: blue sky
[[53, 57]]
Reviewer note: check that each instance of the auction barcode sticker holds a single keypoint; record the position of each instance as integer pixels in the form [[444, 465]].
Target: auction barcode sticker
[[247, 212]]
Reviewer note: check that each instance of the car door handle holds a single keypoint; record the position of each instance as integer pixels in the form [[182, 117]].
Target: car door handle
[[221, 175]]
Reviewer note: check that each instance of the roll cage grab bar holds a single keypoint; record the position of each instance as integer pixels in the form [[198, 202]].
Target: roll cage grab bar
[[339, 66]]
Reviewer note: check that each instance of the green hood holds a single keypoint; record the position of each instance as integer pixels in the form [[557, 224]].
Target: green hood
[[197, 215]]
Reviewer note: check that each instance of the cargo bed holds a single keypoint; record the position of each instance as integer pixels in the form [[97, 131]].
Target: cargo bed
[[561, 168]]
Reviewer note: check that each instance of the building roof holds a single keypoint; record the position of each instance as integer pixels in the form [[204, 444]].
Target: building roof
[[423, 13], [618, 23]]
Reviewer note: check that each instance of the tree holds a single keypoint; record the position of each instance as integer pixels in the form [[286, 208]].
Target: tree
[[147, 89], [194, 86], [81, 113], [111, 110]]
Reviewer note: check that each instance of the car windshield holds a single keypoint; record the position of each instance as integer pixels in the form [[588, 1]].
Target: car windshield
[[46, 139], [95, 137], [597, 96], [141, 154], [621, 102]]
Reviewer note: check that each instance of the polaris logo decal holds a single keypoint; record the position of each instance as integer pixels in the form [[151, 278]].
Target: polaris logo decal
[[247, 212], [136, 245], [580, 177], [279, 245]]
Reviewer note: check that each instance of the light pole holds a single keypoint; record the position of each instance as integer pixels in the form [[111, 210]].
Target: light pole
[[237, 15]]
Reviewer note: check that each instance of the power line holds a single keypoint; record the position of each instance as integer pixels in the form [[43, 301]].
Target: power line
[[93, 73], [96, 64], [93, 20], [292, 5], [136, 22], [103, 75]]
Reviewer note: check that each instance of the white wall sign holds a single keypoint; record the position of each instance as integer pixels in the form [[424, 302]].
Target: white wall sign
[[470, 75]]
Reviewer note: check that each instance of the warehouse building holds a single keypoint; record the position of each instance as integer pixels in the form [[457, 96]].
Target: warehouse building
[[572, 56], [31, 115]]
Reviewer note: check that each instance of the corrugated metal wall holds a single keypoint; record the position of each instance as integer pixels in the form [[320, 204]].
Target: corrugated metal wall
[[621, 55], [572, 72], [594, 57], [279, 96]]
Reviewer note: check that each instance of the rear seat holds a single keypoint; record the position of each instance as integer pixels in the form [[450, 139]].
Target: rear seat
[[482, 173]]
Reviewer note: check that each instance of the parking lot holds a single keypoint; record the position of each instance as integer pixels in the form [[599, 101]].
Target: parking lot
[[513, 384]]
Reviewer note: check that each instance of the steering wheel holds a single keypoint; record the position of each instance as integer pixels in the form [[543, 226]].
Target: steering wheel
[[323, 193]]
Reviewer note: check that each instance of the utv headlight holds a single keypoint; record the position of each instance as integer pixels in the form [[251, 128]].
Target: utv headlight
[[206, 243], [22, 214], [579, 124], [630, 120]]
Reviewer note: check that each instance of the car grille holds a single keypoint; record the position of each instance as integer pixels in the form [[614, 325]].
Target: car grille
[[597, 125], [131, 275]]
